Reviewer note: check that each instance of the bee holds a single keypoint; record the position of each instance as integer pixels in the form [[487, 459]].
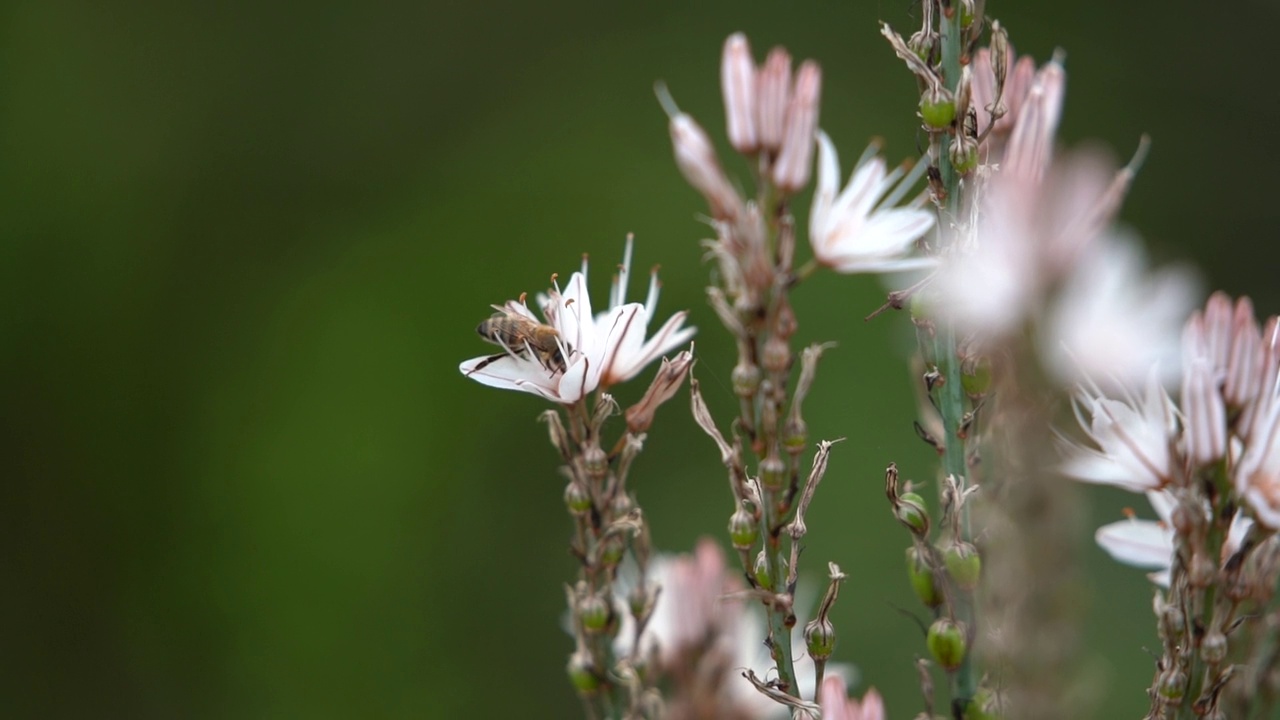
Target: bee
[[518, 335]]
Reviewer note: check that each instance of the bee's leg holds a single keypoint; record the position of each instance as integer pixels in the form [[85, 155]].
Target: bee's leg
[[485, 363]]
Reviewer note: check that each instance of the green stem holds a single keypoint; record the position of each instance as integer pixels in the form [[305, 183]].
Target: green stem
[[951, 398]]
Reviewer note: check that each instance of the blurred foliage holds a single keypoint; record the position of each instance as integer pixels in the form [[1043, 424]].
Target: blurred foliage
[[245, 246]]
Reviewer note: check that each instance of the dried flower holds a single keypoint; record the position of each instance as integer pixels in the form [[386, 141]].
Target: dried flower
[[857, 230], [597, 350]]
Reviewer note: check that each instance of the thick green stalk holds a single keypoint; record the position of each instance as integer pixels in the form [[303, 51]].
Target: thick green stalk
[[951, 398]]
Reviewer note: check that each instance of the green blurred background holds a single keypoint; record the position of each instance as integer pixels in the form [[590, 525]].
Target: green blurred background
[[245, 246]]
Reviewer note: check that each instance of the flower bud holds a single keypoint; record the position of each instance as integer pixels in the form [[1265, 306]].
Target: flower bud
[[912, 512], [738, 83], [664, 386], [794, 165], [743, 530], [582, 673], [947, 643], [595, 613], [921, 576], [577, 498], [774, 92], [820, 638], [964, 565], [696, 158]]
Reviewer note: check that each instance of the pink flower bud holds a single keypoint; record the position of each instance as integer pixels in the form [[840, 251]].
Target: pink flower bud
[[738, 83], [1031, 146], [795, 158], [696, 158], [774, 93]]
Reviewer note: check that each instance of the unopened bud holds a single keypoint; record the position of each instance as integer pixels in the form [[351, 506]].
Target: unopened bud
[[774, 94], [964, 565], [912, 512], [820, 638], [773, 473], [738, 83], [595, 613], [947, 643], [577, 498], [921, 577], [746, 379], [696, 158], [743, 529], [795, 157]]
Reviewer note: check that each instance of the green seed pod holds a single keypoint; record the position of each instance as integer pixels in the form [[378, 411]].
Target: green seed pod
[[746, 379], [1172, 685], [612, 550], [937, 112], [761, 572], [975, 377], [1213, 647], [820, 638], [595, 462], [773, 473], [743, 530], [595, 613], [913, 513], [964, 565], [922, 578], [582, 675], [946, 643], [985, 705], [577, 498], [795, 434]]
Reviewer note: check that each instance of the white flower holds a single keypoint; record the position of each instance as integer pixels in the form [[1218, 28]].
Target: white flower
[[1257, 476], [597, 350], [859, 230], [1133, 438], [1115, 319], [1151, 544]]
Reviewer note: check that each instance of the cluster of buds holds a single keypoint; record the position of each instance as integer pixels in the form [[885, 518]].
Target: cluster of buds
[[1210, 466]]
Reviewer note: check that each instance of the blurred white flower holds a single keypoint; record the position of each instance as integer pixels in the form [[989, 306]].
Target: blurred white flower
[[837, 705], [704, 635], [1114, 319], [859, 229], [1133, 438], [595, 351]]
